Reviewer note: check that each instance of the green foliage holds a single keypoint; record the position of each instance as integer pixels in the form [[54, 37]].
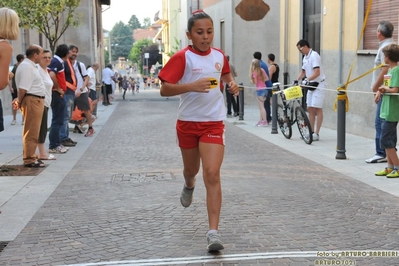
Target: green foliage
[[175, 48], [50, 17], [147, 23], [140, 48], [134, 23], [137, 51], [106, 57], [121, 40]]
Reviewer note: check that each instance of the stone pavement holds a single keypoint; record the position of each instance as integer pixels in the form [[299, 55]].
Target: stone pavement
[[114, 198]]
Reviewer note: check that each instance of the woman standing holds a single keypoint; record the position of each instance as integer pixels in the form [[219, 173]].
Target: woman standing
[[258, 77], [9, 30]]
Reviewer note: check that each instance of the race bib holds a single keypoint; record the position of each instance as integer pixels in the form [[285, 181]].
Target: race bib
[[387, 80]]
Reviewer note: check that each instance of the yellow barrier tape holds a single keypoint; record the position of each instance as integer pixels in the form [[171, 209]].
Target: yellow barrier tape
[[348, 81]]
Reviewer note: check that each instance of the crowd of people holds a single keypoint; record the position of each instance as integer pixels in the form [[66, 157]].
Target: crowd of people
[[40, 81]]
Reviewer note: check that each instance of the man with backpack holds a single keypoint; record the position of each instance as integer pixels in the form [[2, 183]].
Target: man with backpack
[[82, 92]]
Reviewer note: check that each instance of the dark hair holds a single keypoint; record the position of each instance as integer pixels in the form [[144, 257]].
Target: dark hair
[[109, 66], [303, 43], [258, 55], [199, 14], [71, 47], [46, 51], [62, 50], [386, 28], [392, 52], [20, 57], [271, 57], [32, 50]]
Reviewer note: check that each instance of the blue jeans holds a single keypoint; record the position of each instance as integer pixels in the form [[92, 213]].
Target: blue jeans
[[267, 104], [58, 110], [377, 123], [69, 100]]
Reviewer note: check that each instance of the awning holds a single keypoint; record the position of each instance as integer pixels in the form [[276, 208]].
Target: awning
[[159, 33]]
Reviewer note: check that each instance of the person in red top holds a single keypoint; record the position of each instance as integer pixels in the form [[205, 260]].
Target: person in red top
[[194, 73], [56, 69]]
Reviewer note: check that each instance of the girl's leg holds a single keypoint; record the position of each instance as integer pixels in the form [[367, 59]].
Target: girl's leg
[[262, 110], [392, 156], [212, 158], [191, 163]]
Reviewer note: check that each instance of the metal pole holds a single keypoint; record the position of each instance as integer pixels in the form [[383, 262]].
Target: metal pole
[[341, 123], [274, 111], [241, 101], [146, 63]]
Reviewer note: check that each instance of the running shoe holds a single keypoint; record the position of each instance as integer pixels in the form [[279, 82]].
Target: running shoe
[[393, 174], [384, 172], [186, 196], [214, 242]]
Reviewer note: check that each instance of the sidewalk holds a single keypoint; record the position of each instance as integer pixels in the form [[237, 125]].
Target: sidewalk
[[358, 149]]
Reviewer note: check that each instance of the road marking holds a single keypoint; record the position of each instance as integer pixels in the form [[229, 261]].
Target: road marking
[[205, 259]]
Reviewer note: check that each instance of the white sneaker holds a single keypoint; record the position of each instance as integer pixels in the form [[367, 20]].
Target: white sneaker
[[376, 159], [315, 137], [13, 122]]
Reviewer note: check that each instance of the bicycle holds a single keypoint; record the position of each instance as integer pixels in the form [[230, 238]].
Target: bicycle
[[290, 112]]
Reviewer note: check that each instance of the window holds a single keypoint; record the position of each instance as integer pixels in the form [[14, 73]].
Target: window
[[380, 10]]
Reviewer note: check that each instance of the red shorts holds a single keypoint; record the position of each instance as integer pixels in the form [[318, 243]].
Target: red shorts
[[189, 134]]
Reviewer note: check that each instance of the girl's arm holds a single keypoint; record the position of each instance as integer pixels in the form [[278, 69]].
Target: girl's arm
[[5, 59], [170, 89]]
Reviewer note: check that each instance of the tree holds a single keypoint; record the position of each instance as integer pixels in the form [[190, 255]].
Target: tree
[[137, 51], [50, 17], [147, 23], [134, 23], [121, 38]]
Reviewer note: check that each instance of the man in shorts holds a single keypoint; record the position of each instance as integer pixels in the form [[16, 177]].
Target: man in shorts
[[312, 70]]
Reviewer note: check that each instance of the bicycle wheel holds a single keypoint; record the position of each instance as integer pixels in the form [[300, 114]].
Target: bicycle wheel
[[284, 122], [303, 123]]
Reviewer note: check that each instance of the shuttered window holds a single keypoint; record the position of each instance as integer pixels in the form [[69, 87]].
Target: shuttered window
[[380, 10]]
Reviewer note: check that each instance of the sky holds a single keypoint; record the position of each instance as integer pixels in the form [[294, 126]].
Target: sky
[[122, 10]]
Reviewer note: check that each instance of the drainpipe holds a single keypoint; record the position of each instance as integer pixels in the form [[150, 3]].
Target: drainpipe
[[341, 11], [286, 42]]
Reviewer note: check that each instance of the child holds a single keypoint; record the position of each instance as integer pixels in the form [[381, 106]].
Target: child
[[194, 73], [125, 85], [258, 77], [389, 111]]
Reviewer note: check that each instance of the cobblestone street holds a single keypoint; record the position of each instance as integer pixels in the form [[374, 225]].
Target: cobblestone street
[[119, 205]]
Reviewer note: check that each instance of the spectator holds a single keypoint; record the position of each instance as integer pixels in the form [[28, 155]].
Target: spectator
[[57, 74], [313, 71], [258, 77], [31, 94], [48, 83], [69, 96], [9, 30], [389, 111], [269, 86], [384, 35], [230, 99], [91, 72], [108, 77], [14, 89], [125, 85]]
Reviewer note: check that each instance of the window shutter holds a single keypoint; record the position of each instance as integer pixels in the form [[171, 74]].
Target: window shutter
[[380, 10]]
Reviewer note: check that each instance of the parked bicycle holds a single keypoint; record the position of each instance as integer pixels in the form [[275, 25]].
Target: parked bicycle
[[290, 112]]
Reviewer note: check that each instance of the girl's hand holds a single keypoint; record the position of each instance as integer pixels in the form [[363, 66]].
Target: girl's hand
[[201, 85], [233, 88]]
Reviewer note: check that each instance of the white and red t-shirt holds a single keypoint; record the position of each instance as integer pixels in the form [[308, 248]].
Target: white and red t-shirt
[[189, 65]]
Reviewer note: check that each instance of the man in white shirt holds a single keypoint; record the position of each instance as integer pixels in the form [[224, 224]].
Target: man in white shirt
[[31, 94], [91, 72], [108, 78]]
